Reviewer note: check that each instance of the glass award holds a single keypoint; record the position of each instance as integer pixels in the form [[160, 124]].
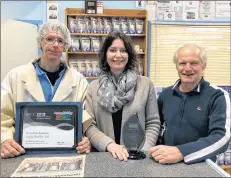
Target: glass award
[[133, 137], [48, 125]]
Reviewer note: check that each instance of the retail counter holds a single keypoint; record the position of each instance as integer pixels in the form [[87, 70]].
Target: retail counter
[[102, 164]]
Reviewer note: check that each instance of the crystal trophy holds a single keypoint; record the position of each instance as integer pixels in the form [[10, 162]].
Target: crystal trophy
[[133, 137]]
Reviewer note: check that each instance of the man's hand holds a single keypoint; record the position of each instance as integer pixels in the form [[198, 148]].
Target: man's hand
[[84, 146], [165, 154], [118, 151], [10, 148]]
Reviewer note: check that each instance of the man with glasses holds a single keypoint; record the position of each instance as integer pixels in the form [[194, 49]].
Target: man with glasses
[[48, 79], [195, 114]]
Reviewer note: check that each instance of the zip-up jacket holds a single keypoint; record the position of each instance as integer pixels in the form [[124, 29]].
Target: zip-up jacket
[[198, 122]]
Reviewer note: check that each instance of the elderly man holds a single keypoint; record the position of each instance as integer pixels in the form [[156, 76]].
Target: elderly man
[[195, 114], [44, 79]]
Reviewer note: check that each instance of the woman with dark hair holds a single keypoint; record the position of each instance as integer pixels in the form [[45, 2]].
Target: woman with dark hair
[[132, 62], [117, 95]]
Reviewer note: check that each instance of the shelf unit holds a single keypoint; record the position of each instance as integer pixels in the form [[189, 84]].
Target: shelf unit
[[137, 39]]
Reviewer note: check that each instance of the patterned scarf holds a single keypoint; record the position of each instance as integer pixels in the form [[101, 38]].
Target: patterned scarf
[[114, 95]]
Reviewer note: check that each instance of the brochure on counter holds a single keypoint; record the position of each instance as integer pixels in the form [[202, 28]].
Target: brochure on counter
[[72, 166]]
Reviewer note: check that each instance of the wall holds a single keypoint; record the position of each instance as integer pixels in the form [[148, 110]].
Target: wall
[[13, 52], [24, 10], [36, 10], [107, 4]]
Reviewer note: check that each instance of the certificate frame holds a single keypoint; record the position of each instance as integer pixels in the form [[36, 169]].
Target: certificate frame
[[77, 120], [90, 7]]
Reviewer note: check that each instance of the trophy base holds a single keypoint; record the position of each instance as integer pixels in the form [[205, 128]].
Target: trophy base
[[136, 155]]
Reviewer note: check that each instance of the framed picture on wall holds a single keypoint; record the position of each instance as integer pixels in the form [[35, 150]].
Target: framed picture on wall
[[90, 7], [140, 4], [52, 10]]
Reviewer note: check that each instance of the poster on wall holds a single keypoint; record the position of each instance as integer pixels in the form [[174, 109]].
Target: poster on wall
[[52, 10], [162, 7], [169, 15], [177, 7], [207, 10], [140, 4], [190, 10], [223, 8], [150, 7]]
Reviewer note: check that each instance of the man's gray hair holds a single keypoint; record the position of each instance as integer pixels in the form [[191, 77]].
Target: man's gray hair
[[55, 26], [202, 53]]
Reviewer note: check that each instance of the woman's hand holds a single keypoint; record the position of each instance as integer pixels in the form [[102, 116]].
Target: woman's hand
[[84, 146], [118, 151]]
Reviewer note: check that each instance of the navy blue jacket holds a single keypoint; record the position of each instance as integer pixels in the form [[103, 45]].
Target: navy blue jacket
[[198, 123]]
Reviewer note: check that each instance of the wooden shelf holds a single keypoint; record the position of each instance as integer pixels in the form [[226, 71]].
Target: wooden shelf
[[108, 13], [82, 52], [137, 39], [103, 34], [104, 15]]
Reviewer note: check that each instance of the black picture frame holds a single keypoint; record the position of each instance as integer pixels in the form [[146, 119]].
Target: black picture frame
[[90, 7], [42, 108]]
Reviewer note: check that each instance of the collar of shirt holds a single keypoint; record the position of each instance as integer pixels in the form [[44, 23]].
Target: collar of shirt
[[39, 71], [48, 89], [197, 89]]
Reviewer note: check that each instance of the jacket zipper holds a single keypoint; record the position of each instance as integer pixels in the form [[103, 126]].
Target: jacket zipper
[[182, 107]]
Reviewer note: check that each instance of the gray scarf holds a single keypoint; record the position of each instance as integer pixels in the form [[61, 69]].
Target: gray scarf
[[114, 95]]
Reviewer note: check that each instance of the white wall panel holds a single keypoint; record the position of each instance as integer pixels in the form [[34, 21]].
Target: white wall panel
[[18, 44]]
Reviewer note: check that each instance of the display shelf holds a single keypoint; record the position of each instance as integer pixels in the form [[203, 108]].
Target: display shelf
[[137, 39], [103, 34]]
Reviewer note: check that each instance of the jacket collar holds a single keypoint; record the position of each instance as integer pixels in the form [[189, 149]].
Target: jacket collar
[[31, 81], [66, 86], [32, 84], [196, 89]]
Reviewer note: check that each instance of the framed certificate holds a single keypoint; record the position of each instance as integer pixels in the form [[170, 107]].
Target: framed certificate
[[90, 7], [48, 125]]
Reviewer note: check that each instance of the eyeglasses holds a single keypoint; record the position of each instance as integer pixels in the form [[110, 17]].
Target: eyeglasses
[[52, 40]]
